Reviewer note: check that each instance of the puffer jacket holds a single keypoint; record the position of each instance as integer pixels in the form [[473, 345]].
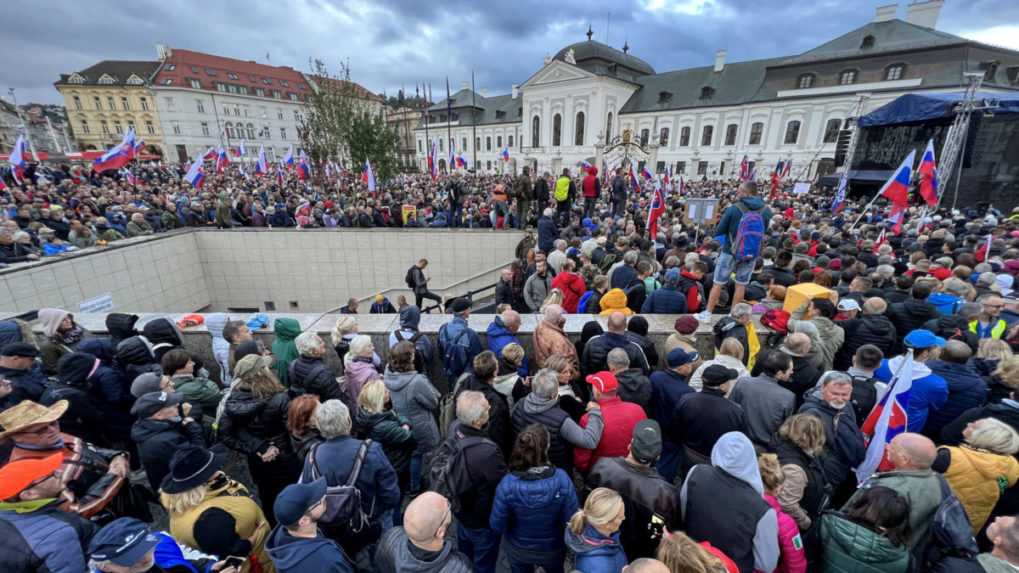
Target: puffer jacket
[[134, 357], [965, 390], [849, 547], [597, 349], [164, 336], [120, 326], [415, 399], [387, 428], [157, 440], [910, 315], [312, 376], [873, 329], [550, 340], [394, 554], [613, 300], [360, 371], [829, 339], [250, 424], [200, 392], [792, 558], [595, 553], [978, 479], [531, 508], [666, 300]]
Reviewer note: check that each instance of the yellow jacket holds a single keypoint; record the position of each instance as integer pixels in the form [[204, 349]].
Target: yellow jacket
[[613, 300], [978, 478]]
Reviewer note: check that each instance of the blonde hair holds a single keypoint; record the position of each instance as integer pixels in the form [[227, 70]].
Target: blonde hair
[[178, 503], [263, 383], [994, 349], [732, 347], [513, 353], [373, 396], [805, 431], [554, 297], [684, 555], [601, 507], [995, 436], [1008, 371], [771, 472], [344, 325]]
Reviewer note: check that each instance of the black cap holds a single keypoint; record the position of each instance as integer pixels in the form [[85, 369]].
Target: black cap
[[152, 402], [296, 499], [647, 441], [716, 375], [123, 542], [22, 349]]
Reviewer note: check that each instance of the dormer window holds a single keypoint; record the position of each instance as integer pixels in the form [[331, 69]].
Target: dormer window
[[805, 81], [707, 92], [499, 114], [664, 97], [895, 72], [107, 79], [135, 80], [867, 43], [76, 79]]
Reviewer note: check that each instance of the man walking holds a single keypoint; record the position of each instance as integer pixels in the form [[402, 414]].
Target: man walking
[[417, 280]]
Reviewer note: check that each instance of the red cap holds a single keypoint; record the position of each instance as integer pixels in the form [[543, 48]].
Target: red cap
[[16, 476], [603, 381]]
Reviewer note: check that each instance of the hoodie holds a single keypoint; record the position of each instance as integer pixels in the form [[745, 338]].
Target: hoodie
[[50, 319], [120, 326], [634, 387], [594, 552], [215, 323], [410, 318], [728, 225], [299, 555], [613, 300], [928, 391]]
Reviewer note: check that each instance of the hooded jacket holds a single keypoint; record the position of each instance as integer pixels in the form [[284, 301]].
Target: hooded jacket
[[250, 424], [84, 417], [54, 346], [415, 398], [164, 336], [157, 440], [844, 447], [387, 428], [849, 547], [728, 225], [928, 392], [635, 387], [564, 433], [966, 389], [359, 371], [25, 385], [666, 300], [978, 478], [573, 287], [873, 329], [393, 554], [829, 339], [499, 337], [612, 301], [134, 357], [595, 553], [619, 419], [120, 326], [531, 508], [723, 505], [410, 318], [299, 554]]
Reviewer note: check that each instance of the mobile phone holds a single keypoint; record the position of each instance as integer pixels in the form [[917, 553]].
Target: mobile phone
[[234, 561]]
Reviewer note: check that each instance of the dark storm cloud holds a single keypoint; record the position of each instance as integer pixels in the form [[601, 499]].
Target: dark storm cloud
[[394, 43]]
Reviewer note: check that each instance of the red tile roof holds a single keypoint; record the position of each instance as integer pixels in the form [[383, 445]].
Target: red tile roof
[[358, 90], [183, 66]]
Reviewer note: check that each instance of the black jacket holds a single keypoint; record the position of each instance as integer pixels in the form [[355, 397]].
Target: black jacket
[[596, 352], [873, 329], [645, 494], [157, 440], [500, 428], [804, 378], [844, 446], [635, 387], [163, 335], [25, 385], [701, 418], [908, 316], [953, 327], [134, 358], [727, 327], [250, 425], [84, 417], [486, 468], [312, 376], [648, 348], [951, 435], [966, 390]]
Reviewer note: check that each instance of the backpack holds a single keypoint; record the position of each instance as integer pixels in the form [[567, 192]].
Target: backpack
[[951, 533], [419, 360], [582, 303], [454, 355], [749, 235], [864, 396], [448, 474], [409, 278], [562, 189], [447, 406], [343, 502], [722, 328]]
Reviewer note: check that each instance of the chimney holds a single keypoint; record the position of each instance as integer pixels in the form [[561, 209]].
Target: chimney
[[886, 13], [516, 90], [719, 60], [924, 14]]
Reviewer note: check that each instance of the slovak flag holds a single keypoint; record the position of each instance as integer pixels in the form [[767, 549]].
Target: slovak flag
[[116, 158], [17, 159], [137, 149], [461, 161], [889, 417], [196, 174], [585, 165], [128, 176], [262, 167], [646, 173], [222, 160], [288, 159], [633, 174], [368, 177], [433, 168], [840, 194], [928, 171], [896, 217], [667, 180], [209, 155], [505, 153], [984, 252], [896, 189], [654, 212], [303, 169]]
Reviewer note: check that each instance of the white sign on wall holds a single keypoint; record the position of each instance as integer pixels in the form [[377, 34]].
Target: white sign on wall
[[101, 303]]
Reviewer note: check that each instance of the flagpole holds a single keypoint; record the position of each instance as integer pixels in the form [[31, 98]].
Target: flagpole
[[449, 126], [428, 104], [474, 123], [864, 211]]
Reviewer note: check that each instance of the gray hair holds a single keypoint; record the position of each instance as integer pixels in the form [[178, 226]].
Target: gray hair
[[360, 344], [885, 271], [545, 384], [560, 244], [994, 435], [618, 358], [740, 310], [308, 343], [630, 258], [548, 212], [553, 313], [332, 418], [834, 377], [470, 407]]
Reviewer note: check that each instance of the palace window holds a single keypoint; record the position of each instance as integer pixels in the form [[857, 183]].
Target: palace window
[[684, 136], [847, 77], [831, 130], [645, 135], [792, 132], [557, 130], [756, 132], [608, 127], [895, 72], [805, 81], [578, 136], [730, 134], [535, 131], [663, 137], [707, 134]]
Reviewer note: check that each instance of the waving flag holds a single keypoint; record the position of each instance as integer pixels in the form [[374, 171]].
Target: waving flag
[[128, 176], [303, 168], [744, 169], [461, 161], [280, 176], [368, 177], [881, 239], [262, 166], [646, 174], [840, 193], [896, 189], [655, 211], [505, 153], [17, 159], [928, 171], [288, 159], [210, 155], [433, 167], [241, 149], [137, 150], [889, 417], [196, 174], [896, 217], [984, 252], [222, 160], [787, 166], [633, 174], [115, 158]]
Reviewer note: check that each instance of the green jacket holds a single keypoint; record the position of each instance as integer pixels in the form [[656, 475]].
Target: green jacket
[[199, 392], [922, 491], [852, 548]]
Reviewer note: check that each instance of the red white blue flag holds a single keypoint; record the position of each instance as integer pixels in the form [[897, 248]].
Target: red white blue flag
[[646, 173], [889, 418], [787, 166], [505, 153], [288, 159], [17, 159], [262, 166], [655, 211], [840, 193], [744, 169], [928, 171], [128, 176], [222, 160], [196, 174], [896, 189], [303, 167], [368, 177], [433, 168], [633, 174]]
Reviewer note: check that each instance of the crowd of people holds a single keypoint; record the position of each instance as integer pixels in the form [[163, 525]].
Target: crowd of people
[[602, 452]]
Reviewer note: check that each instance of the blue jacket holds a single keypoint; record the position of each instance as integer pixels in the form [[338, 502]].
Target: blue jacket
[[44, 539], [966, 389], [499, 336], [10, 331], [300, 555], [929, 391], [947, 304], [623, 276], [449, 332], [377, 481], [666, 300], [26, 385], [667, 387], [728, 225], [547, 234], [532, 507], [596, 553]]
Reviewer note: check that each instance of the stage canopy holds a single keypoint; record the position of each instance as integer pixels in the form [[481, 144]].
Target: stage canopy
[[927, 106]]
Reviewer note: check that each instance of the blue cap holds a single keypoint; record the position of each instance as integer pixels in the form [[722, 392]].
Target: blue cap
[[678, 357], [921, 338], [296, 499], [123, 542], [672, 275]]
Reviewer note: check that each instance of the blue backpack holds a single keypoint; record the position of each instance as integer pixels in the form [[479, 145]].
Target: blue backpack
[[582, 304], [455, 359], [749, 235]]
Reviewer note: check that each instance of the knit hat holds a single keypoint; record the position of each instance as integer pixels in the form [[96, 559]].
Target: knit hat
[[145, 383], [686, 324]]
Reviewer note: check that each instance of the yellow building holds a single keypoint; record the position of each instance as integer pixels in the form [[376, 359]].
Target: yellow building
[[105, 100]]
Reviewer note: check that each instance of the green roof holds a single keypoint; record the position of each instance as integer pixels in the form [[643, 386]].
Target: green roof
[[888, 36], [737, 83]]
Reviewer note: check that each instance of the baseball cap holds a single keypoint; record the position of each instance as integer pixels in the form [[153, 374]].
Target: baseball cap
[[251, 363], [296, 499], [22, 349], [848, 304], [603, 381], [921, 338], [678, 357], [15, 477], [123, 542], [716, 375], [646, 445], [152, 402]]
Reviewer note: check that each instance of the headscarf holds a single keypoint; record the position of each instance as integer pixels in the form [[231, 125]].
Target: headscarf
[[283, 348]]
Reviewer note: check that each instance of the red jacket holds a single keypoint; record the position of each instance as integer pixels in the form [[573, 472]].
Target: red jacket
[[591, 184], [573, 287], [620, 418]]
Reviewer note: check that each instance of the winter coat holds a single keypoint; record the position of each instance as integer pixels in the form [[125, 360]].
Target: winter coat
[[359, 371], [965, 390], [667, 387], [612, 301], [318, 554], [387, 428], [1007, 411], [928, 392], [596, 352], [634, 387], [134, 357], [766, 404], [499, 424], [250, 425], [648, 348], [702, 418], [415, 399], [573, 287], [696, 381], [157, 440], [536, 290], [394, 555], [312, 376], [829, 339], [595, 553], [849, 547], [531, 508], [200, 392], [25, 385], [666, 300], [164, 336], [84, 417], [39, 536], [619, 419], [947, 304], [910, 315], [54, 346], [978, 478], [844, 447], [921, 488], [873, 329], [549, 340], [793, 558], [564, 433], [547, 234], [499, 337], [485, 468], [646, 495], [376, 482]]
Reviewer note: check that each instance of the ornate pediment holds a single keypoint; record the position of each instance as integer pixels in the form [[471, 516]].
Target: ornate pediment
[[555, 72]]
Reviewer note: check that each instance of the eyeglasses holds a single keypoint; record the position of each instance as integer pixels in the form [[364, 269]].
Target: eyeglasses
[[447, 519]]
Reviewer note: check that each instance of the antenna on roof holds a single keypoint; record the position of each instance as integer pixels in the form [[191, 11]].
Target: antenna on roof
[[608, 22], [626, 47], [590, 32]]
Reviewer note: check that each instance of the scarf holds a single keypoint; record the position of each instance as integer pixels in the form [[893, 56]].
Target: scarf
[[72, 336]]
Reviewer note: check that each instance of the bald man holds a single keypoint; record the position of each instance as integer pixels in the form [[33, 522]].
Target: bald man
[[420, 544], [503, 332], [645, 565], [911, 456], [596, 351]]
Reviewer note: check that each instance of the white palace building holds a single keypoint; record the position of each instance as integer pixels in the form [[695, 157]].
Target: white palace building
[[590, 97]]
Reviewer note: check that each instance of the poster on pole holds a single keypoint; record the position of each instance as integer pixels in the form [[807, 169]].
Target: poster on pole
[[701, 210], [801, 188]]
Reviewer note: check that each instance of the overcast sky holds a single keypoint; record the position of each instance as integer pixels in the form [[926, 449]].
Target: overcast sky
[[394, 43]]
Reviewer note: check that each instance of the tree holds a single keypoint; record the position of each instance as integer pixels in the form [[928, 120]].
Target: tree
[[342, 124]]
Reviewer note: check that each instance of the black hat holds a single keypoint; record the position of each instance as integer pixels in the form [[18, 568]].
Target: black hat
[[296, 499], [245, 348], [22, 349], [646, 445], [152, 402], [716, 375], [191, 467], [123, 542], [460, 305]]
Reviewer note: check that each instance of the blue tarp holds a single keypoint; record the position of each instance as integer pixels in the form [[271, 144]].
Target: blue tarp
[[926, 106]]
